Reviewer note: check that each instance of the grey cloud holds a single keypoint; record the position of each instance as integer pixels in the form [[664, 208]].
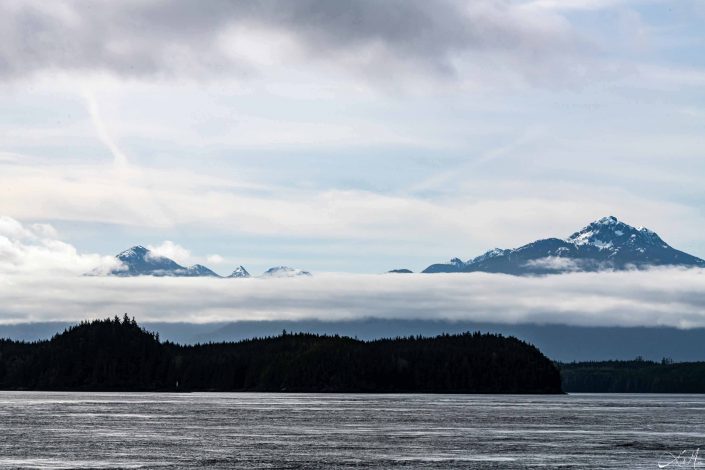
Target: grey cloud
[[181, 37]]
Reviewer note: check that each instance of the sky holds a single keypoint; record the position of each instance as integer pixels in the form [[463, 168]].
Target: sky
[[340, 137]]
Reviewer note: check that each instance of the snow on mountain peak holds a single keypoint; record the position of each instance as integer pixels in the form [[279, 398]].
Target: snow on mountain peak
[[493, 253], [608, 233], [196, 270], [240, 272], [609, 220], [133, 252], [605, 233], [140, 261], [284, 271]]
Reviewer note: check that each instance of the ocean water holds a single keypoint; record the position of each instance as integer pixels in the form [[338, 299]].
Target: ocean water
[[297, 431]]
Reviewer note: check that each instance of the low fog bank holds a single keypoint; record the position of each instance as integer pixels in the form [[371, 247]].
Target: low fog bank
[[659, 297]]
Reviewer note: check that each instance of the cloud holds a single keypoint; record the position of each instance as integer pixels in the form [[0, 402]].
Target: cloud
[[183, 38], [215, 259], [555, 263], [34, 249], [171, 250], [119, 158], [572, 4], [661, 297]]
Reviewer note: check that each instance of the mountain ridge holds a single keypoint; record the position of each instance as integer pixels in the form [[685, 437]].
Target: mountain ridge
[[605, 244], [140, 261]]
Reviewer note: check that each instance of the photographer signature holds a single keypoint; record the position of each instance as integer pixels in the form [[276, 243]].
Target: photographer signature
[[685, 459]]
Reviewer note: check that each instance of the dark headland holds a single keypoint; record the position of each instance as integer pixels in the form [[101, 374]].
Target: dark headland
[[119, 355]]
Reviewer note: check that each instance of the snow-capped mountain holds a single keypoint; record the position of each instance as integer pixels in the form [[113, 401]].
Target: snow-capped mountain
[[240, 272], [139, 261], [284, 271], [602, 245], [198, 270]]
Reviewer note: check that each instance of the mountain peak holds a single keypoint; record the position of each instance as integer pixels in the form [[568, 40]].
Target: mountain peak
[[493, 253], [609, 232], [197, 270], [133, 252], [604, 244], [284, 271], [138, 260], [609, 220], [240, 272]]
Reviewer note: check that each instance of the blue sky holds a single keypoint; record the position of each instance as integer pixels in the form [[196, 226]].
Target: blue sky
[[354, 137]]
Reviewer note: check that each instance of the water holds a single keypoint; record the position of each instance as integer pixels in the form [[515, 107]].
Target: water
[[219, 430]]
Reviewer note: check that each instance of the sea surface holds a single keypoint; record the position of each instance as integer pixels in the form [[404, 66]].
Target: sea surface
[[292, 431]]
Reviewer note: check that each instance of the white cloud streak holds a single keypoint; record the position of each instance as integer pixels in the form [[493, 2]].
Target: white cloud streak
[[119, 158]]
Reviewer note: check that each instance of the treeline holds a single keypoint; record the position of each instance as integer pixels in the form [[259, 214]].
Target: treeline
[[637, 376], [118, 354]]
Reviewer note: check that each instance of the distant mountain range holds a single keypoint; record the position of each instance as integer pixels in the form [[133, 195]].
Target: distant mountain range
[[606, 244], [140, 261]]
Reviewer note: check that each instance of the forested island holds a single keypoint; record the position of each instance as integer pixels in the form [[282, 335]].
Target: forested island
[[637, 376], [118, 355]]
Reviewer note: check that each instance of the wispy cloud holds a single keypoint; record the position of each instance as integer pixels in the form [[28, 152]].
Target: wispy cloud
[[119, 158], [491, 216]]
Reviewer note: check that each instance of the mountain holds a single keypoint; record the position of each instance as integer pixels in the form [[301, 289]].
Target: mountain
[[400, 271], [240, 272], [198, 270], [606, 244], [139, 261], [284, 271]]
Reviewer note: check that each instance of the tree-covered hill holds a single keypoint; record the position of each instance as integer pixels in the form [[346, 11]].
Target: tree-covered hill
[[637, 376], [119, 355]]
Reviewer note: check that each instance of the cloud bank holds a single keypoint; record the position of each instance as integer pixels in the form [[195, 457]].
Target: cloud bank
[[664, 297]]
